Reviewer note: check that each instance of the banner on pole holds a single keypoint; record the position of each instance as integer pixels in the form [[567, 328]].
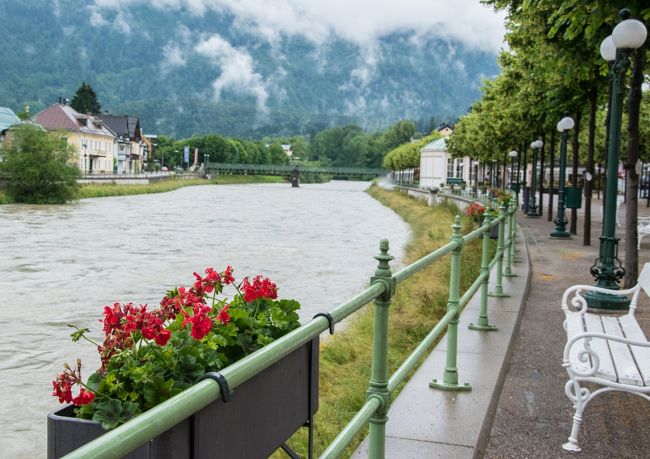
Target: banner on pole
[[186, 154]]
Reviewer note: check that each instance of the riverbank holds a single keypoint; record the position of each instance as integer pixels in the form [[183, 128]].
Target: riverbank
[[416, 307], [105, 190]]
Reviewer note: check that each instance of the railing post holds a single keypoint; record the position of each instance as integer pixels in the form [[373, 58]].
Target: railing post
[[498, 287], [378, 385], [450, 377], [483, 323], [511, 241]]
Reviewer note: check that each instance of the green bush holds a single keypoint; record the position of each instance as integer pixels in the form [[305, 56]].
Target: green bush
[[38, 168]]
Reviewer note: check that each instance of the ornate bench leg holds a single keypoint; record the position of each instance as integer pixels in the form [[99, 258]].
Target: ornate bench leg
[[579, 396]]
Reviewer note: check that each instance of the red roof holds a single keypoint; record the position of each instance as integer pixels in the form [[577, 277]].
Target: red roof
[[67, 118]]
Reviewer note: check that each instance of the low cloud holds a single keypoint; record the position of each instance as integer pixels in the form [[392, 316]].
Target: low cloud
[[237, 70], [360, 21]]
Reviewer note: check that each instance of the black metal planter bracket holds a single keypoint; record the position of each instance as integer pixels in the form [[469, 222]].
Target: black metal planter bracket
[[329, 318], [224, 389]]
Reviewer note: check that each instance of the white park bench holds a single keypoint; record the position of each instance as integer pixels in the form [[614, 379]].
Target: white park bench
[[607, 350], [643, 228]]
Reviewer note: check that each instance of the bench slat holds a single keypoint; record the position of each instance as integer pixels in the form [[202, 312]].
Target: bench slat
[[626, 368], [574, 326], [632, 331], [599, 345]]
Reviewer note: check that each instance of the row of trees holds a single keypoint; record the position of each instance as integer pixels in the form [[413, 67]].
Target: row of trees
[[553, 68], [407, 155], [339, 146]]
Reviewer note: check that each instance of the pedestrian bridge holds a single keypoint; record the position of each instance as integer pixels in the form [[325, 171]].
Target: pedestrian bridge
[[286, 170]]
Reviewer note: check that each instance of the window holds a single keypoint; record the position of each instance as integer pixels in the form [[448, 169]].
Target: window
[[450, 167], [459, 167]]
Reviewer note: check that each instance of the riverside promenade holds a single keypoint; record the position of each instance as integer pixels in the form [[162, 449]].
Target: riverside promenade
[[517, 407]]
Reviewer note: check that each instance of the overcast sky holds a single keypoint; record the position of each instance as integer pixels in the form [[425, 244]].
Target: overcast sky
[[359, 21]]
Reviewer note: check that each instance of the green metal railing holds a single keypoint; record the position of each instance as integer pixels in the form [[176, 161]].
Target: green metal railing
[[286, 170], [127, 437]]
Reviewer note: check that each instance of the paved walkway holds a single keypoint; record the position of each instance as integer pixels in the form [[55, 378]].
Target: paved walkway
[[517, 407], [533, 416]]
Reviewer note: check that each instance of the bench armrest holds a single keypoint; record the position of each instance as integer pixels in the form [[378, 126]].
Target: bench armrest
[[587, 352], [579, 302]]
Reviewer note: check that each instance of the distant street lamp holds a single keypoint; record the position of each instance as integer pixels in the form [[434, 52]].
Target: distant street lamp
[[628, 35], [563, 126], [514, 186], [532, 204]]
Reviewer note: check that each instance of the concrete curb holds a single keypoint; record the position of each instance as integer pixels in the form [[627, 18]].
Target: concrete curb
[[429, 423]]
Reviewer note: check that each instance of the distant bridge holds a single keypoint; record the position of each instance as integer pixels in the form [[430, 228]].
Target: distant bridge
[[286, 170]]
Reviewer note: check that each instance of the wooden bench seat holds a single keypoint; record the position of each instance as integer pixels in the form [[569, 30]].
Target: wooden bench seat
[[604, 349]]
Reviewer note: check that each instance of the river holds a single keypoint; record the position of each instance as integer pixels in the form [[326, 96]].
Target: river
[[62, 264]]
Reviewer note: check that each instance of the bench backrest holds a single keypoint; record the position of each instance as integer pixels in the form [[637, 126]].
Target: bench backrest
[[643, 282]]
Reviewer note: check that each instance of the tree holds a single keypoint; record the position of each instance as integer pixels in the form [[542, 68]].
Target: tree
[[38, 166], [85, 100]]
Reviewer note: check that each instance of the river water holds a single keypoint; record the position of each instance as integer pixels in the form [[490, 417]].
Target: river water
[[62, 264]]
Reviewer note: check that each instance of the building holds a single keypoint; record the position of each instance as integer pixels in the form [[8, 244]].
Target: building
[[132, 149], [7, 119], [95, 143], [439, 168], [286, 147], [445, 130]]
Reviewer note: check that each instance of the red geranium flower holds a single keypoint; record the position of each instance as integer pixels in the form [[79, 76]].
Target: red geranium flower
[[223, 315], [200, 322], [163, 337], [261, 287], [84, 398], [227, 275]]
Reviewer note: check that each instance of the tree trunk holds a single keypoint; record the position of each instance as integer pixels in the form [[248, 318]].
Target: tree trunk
[[550, 177], [632, 183], [575, 146], [593, 109], [540, 206]]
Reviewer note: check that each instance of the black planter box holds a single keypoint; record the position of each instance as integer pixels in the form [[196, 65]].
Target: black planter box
[[262, 414]]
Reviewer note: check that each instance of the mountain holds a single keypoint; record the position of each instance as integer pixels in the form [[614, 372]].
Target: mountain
[[185, 72]]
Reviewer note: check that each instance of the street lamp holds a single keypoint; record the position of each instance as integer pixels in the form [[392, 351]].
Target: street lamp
[[563, 126], [532, 204], [628, 35], [513, 186]]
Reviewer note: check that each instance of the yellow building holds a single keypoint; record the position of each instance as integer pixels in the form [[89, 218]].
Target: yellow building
[[95, 143]]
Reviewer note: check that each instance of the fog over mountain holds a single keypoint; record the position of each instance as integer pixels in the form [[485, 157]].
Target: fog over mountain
[[254, 67]]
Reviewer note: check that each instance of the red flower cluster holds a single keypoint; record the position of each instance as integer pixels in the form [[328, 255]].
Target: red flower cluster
[[261, 287], [122, 320], [475, 210], [201, 323], [63, 386]]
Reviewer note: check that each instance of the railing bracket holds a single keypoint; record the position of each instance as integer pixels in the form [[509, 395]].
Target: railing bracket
[[329, 318], [224, 389]]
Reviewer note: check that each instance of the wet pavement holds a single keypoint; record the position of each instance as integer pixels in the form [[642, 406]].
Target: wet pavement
[[533, 416]]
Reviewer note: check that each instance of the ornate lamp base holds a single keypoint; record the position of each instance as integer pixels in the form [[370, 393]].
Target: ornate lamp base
[[604, 301]]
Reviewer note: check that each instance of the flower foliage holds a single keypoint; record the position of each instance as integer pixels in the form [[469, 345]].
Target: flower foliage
[[149, 355], [476, 211]]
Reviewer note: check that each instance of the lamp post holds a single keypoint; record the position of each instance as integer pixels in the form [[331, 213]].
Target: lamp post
[[628, 35], [513, 186], [532, 203], [563, 126]]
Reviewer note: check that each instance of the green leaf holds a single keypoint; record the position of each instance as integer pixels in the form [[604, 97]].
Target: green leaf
[[78, 333], [110, 413]]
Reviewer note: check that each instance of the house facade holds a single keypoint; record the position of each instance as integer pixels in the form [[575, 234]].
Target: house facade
[[7, 119], [94, 142], [132, 147], [439, 168]]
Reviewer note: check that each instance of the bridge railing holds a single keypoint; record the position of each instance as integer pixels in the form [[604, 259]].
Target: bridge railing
[[129, 436], [287, 169]]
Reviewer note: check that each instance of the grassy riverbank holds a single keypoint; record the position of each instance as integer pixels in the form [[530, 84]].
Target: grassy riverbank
[[416, 308], [109, 189], [98, 190]]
